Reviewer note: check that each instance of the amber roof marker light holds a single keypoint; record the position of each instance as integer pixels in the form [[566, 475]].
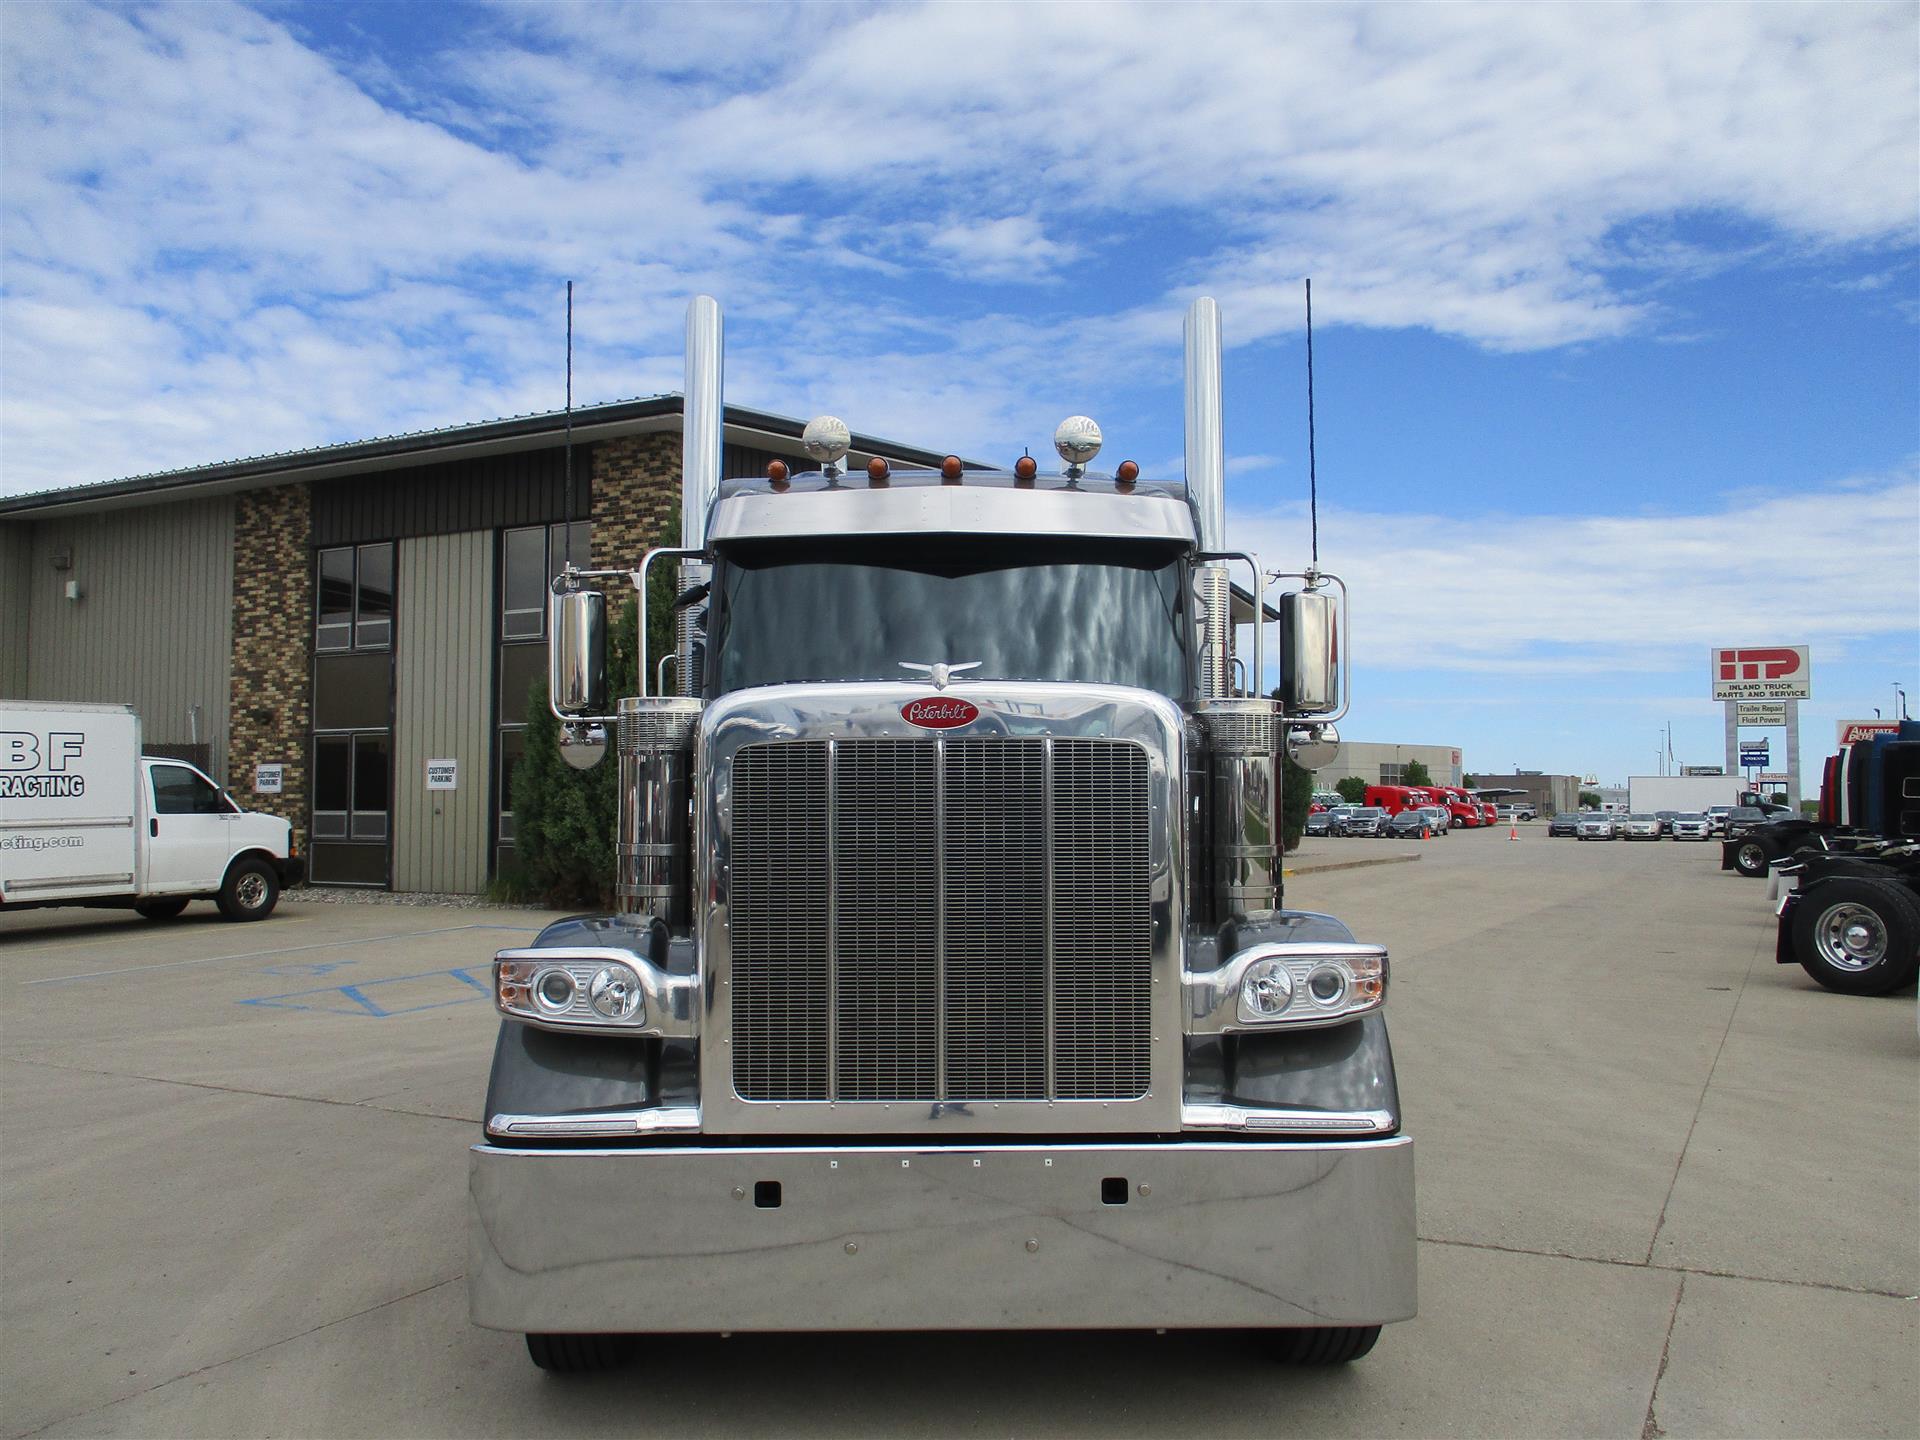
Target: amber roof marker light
[[950, 469], [1126, 475], [777, 474], [877, 473], [1024, 469]]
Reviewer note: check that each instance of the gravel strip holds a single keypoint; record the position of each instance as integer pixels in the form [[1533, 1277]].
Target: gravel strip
[[346, 895]]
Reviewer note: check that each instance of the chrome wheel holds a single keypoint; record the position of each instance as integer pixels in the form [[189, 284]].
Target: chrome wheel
[[1752, 858], [1850, 937], [251, 891]]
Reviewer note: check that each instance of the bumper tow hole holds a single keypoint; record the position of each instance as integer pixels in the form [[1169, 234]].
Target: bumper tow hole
[[1113, 1190], [766, 1194]]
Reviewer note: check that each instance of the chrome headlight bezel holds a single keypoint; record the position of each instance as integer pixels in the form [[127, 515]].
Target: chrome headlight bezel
[[594, 989], [1326, 983]]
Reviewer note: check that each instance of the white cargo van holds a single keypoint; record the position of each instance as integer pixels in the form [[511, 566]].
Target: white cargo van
[[86, 819]]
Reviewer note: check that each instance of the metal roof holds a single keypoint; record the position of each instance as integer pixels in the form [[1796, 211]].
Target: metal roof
[[515, 432]]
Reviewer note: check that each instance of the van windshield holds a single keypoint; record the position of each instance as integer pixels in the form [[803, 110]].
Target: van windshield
[[1105, 613]]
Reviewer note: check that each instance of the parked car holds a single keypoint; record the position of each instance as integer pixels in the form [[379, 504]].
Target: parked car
[[1692, 826], [1666, 819], [1595, 827], [1337, 818], [1568, 824], [1441, 816], [1743, 818], [1517, 812], [1639, 827], [1364, 820], [1319, 822], [1717, 817], [1412, 825]]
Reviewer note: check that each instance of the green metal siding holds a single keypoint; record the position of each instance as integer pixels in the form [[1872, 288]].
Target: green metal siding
[[16, 554], [153, 627], [443, 671]]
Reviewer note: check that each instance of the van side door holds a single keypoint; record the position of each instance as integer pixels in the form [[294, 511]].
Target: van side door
[[189, 830]]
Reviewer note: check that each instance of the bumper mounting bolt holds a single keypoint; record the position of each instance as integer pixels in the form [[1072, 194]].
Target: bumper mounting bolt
[[1145, 1189], [853, 1247], [739, 1192], [1033, 1247]]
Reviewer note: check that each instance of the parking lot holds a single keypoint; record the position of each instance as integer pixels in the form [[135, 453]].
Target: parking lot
[[1666, 1187]]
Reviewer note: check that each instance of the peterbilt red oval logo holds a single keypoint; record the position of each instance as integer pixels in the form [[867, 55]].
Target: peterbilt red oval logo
[[940, 712]]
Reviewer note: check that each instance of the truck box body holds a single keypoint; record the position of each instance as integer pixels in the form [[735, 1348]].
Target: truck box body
[[1687, 793], [69, 800], [86, 819]]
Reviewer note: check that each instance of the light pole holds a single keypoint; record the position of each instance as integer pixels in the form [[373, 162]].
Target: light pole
[[1900, 708]]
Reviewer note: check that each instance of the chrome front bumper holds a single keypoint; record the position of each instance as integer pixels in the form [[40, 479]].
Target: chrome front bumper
[[1189, 1235]]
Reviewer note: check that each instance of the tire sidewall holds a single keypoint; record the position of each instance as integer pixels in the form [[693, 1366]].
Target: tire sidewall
[[1740, 858], [1898, 912], [232, 906]]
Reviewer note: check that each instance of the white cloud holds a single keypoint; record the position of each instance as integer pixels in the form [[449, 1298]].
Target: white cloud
[[218, 236], [1583, 596]]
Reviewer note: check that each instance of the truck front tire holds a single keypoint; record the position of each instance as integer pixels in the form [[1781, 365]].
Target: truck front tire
[[1323, 1345], [1858, 936], [159, 909], [580, 1354], [250, 891], [1750, 858]]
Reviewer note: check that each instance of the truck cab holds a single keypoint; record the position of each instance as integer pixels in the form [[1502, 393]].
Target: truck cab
[[951, 977]]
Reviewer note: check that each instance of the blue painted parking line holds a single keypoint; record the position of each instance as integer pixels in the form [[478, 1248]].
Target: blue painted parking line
[[461, 987]]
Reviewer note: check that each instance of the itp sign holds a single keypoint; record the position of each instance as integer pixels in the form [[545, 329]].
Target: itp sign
[[1761, 672]]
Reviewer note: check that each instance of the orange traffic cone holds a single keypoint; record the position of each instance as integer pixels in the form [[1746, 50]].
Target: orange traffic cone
[[1513, 832]]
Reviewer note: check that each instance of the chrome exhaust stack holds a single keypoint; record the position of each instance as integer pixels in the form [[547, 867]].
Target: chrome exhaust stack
[[1207, 484], [702, 424]]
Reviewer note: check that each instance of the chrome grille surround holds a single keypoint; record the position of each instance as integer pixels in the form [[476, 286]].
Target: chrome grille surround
[[965, 931]]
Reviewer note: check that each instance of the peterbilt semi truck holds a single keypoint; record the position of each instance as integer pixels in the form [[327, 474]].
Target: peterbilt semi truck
[[951, 986]]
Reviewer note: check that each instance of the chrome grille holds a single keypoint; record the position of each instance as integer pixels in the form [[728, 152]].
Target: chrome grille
[[782, 923], [941, 919]]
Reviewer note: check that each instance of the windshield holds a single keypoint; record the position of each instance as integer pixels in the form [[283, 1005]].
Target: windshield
[[1689, 817], [1107, 613]]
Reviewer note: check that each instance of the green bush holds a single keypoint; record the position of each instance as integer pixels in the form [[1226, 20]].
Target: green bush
[[1353, 790], [1589, 799], [1416, 773]]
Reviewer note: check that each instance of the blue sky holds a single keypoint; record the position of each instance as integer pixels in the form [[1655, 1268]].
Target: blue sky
[[1616, 307]]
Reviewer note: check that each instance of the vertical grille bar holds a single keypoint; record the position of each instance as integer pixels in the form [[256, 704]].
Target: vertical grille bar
[[994, 866], [886, 893], [781, 923], [1102, 925]]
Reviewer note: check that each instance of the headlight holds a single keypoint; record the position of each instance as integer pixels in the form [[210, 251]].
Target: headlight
[[561, 991], [1287, 984]]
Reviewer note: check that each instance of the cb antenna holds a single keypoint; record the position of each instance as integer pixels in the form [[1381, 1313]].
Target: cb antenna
[[1313, 477], [569, 459]]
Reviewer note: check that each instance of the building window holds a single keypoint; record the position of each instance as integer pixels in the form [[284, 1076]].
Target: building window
[[529, 559], [1392, 774], [352, 785], [355, 598]]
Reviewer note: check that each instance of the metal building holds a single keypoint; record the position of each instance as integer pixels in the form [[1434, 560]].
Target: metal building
[[338, 617], [1383, 764]]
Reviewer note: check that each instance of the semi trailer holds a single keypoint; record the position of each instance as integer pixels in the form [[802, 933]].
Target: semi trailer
[[951, 986]]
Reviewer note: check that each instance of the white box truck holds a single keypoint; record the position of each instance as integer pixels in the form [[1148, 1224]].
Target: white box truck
[[86, 819], [1687, 793]]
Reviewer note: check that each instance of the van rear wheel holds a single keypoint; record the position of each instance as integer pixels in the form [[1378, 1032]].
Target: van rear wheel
[[250, 891], [580, 1354], [159, 909]]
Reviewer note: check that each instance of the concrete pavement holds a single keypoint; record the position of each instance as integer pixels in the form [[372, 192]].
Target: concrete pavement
[[1666, 1187]]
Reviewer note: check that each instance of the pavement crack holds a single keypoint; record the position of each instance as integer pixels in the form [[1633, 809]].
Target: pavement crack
[[1706, 1085], [1660, 1269], [243, 1355], [1650, 1427], [243, 1090]]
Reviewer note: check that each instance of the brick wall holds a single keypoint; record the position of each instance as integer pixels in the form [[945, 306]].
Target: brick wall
[[636, 485], [272, 644]]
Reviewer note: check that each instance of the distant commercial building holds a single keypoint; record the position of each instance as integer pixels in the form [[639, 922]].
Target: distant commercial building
[[345, 615], [1549, 794], [1382, 764]]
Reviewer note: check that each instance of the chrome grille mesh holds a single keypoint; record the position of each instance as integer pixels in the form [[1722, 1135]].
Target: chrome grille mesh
[[781, 921], [941, 920]]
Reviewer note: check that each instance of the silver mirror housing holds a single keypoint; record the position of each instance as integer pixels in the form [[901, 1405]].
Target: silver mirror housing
[[1313, 747], [582, 743], [577, 652], [1309, 652]]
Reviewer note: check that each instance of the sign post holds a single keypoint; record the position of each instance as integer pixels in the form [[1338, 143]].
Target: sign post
[[1762, 685]]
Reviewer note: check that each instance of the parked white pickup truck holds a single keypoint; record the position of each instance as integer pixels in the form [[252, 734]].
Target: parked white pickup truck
[[86, 819]]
